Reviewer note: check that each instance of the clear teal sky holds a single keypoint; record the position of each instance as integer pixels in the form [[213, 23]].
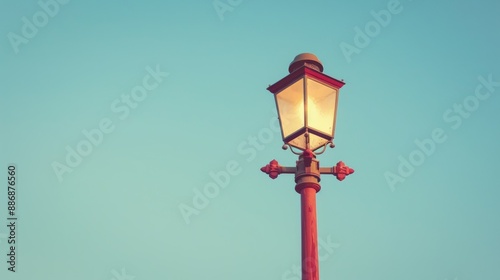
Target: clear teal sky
[[426, 72]]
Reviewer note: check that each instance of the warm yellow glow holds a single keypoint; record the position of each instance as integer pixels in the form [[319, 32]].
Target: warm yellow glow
[[321, 105], [291, 107]]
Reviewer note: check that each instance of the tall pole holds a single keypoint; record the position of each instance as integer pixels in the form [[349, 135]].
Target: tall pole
[[307, 179], [310, 267]]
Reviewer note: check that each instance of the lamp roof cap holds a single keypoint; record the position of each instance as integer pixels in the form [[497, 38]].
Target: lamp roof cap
[[306, 59]]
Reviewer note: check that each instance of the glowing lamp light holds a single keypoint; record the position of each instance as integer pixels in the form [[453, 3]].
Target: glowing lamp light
[[306, 101]]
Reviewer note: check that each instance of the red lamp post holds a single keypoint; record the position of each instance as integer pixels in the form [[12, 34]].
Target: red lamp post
[[306, 101]]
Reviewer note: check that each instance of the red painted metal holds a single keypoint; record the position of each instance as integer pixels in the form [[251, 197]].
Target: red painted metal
[[272, 169], [307, 179], [301, 72], [308, 155], [341, 170], [310, 265]]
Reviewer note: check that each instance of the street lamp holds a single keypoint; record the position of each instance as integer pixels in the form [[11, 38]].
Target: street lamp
[[306, 100]]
